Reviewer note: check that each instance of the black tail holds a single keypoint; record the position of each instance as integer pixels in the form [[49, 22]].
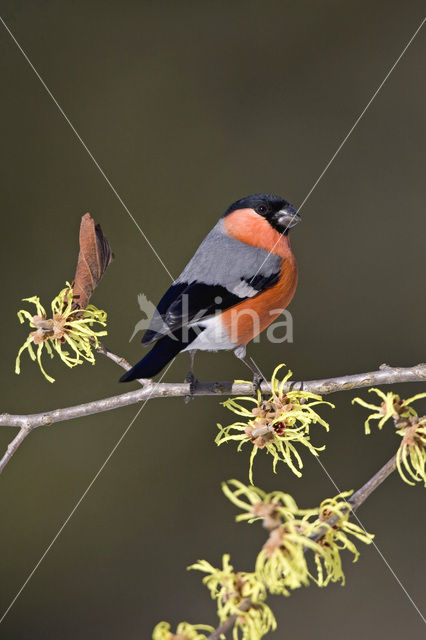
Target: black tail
[[161, 354]]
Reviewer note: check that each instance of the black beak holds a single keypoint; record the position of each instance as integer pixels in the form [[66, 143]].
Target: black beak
[[288, 217]]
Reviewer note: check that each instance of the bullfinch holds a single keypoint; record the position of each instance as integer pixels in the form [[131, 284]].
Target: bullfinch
[[242, 276]]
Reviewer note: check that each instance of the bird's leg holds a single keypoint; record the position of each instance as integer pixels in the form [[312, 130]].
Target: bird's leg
[[240, 352], [190, 376]]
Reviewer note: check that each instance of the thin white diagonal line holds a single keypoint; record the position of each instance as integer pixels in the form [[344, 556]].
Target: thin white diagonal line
[[359, 521], [346, 138], [96, 163], [353, 513], [80, 500]]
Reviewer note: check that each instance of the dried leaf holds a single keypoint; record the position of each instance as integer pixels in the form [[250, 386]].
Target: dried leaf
[[94, 257]]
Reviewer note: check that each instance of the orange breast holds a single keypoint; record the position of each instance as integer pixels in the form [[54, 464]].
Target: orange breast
[[248, 318]]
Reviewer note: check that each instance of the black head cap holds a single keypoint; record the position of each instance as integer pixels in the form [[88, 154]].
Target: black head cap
[[280, 214]]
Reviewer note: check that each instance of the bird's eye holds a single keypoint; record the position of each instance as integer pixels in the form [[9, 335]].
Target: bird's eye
[[262, 209]]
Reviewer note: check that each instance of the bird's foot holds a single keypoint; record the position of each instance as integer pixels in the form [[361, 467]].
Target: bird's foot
[[192, 386], [257, 381]]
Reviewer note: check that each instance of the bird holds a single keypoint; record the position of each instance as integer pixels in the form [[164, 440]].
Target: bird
[[241, 277]]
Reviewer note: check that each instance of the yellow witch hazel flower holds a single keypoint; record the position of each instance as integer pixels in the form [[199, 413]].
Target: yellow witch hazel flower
[[282, 564], [241, 594], [392, 407], [67, 329], [184, 631], [277, 424], [329, 563], [273, 508], [411, 455]]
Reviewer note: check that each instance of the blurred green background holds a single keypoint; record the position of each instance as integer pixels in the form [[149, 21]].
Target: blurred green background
[[188, 106]]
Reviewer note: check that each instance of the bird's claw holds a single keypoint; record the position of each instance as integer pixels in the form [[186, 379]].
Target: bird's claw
[[257, 381], [192, 380]]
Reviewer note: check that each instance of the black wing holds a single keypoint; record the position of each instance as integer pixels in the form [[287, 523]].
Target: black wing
[[184, 303]]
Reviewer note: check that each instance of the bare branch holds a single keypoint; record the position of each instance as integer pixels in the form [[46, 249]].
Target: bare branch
[[122, 362], [371, 485], [28, 422], [24, 431], [385, 375], [360, 496], [229, 622], [181, 389]]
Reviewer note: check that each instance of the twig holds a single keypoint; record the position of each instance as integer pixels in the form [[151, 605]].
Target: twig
[[229, 622], [371, 485], [28, 422], [122, 362], [24, 431], [354, 502], [360, 496]]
